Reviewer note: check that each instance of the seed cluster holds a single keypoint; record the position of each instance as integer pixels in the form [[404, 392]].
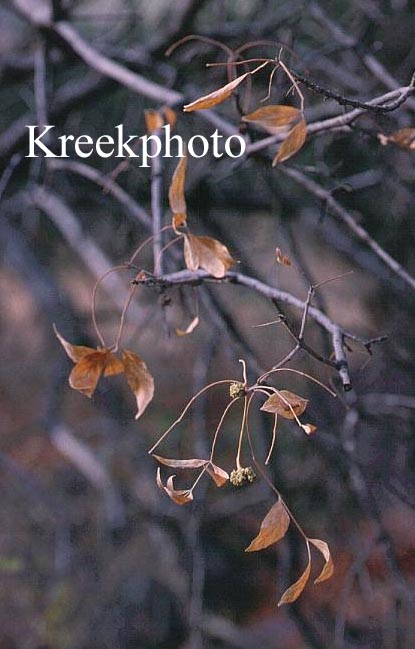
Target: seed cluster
[[242, 476], [236, 390]]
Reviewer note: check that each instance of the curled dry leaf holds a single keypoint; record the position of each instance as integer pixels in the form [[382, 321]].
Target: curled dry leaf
[[294, 591], [273, 118], [273, 528], [179, 496], [282, 259], [218, 475], [91, 364], [328, 568], [139, 379], [181, 464], [191, 327], [207, 253], [176, 194], [292, 143], [285, 403], [215, 97]]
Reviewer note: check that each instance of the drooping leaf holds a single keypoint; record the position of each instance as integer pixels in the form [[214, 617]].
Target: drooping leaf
[[215, 97], [294, 591], [285, 403], [328, 568], [191, 327], [87, 372], [176, 193], [179, 496], [181, 464], [207, 253], [75, 352], [282, 259], [139, 379], [153, 120], [292, 143], [273, 528], [273, 118], [218, 475]]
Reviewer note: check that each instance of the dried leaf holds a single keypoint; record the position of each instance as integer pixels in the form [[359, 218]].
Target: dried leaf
[[328, 568], [285, 403], [207, 253], [139, 379], [215, 97], [179, 221], [114, 366], [75, 352], [293, 592], [282, 259], [273, 118], [181, 464], [179, 496], [87, 372], [176, 191], [404, 138], [292, 143], [273, 528], [153, 120], [169, 115], [309, 429], [218, 475], [191, 327]]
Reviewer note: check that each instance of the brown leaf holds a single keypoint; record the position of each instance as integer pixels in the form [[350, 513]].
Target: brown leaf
[[139, 379], [328, 568], [169, 115], [404, 138], [87, 372], [293, 592], [273, 118], [273, 528], [309, 429], [218, 475], [179, 496], [153, 120], [181, 464], [215, 97], [282, 259], [292, 143], [176, 192], [285, 403], [191, 327], [113, 366], [75, 352], [179, 221], [207, 253]]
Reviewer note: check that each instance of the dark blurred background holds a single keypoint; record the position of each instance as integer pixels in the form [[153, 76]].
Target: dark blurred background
[[92, 554]]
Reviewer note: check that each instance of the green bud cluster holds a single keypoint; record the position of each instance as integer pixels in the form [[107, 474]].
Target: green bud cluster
[[236, 390], [242, 476]]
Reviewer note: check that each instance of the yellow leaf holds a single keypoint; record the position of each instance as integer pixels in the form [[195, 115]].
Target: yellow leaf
[[215, 97], [273, 118], [139, 379], [293, 592], [273, 528], [176, 191], [292, 143], [207, 253], [285, 403], [328, 568]]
